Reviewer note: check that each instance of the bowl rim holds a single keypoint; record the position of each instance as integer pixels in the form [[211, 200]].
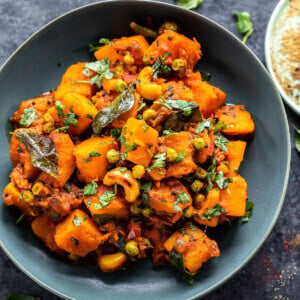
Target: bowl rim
[[280, 103], [275, 15]]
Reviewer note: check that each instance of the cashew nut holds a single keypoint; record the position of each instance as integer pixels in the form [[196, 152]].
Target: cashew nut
[[148, 89], [126, 180]]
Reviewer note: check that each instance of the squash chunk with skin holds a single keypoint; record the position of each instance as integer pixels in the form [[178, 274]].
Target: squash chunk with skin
[[237, 119], [117, 208], [11, 194], [195, 247], [171, 197], [40, 105], [213, 198], [234, 202], [66, 160], [178, 45], [44, 228], [182, 143], [68, 84], [235, 156], [208, 97], [91, 158], [83, 108], [78, 234], [109, 52], [19, 154], [134, 45], [138, 134]]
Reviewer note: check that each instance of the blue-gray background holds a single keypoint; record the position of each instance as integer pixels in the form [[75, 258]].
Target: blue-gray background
[[273, 273]]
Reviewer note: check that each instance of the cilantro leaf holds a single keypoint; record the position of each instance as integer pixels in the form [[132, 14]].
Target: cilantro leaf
[[68, 188], [28, 117], [101, 67], [221, 142], [160, 68], [221, 181], [59, 108], [243, 24], [206, 124], [181, 198], [169, 132], [248, 212], [115, 133], [77, 221], [145, 187], [189, 4], [105, 199], [183, 105], [70, 119], [181, 155], [90, 189], [159, 163], [214, 211]]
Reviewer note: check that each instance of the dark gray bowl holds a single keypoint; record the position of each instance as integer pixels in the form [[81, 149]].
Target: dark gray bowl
[[33, 68]]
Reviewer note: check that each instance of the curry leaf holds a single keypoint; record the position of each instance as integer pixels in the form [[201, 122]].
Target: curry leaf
[[42, 150], [28, 117], [121, 104], [189, 4]]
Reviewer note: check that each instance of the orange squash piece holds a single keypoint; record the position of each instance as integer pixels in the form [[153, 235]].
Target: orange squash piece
[[83, 108], [78, 234], [195, 247], [237, 119], [68, 84], [66, 160], [44, 228], [208, 97], [163, 198], [135, 46], [117, 208], [137, 132], [11, 194], [234, 202], [109, 52], [19, 154], [235, 156], [178, 45], [93, 167], [180, 142], [213, 198], [40, 105]]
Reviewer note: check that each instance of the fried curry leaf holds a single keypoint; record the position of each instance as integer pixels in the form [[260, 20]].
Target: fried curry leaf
[[160, 68], [121, 104], [28, 117], [42, 150]]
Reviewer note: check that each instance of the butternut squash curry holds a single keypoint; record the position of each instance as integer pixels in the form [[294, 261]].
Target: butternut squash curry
[[133, 154]]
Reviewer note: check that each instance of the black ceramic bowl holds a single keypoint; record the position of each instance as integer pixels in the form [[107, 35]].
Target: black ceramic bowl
[[33, 68]]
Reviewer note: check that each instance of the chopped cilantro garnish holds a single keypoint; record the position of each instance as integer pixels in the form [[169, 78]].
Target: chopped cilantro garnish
[[90, 189], [28, 117]]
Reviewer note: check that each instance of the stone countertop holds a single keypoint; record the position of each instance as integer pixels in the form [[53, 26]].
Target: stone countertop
[[273, 273]]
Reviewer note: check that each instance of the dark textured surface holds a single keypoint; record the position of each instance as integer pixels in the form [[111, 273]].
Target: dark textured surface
[[273, 273]]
